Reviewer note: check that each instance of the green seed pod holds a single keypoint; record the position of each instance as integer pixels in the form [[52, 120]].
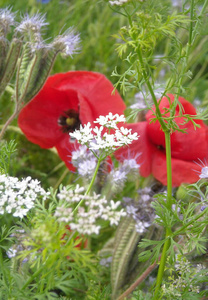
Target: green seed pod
[[182, 194], [126, 241], [4, 45], [9, 66], [23, 65], [35, 74], [125, 266]]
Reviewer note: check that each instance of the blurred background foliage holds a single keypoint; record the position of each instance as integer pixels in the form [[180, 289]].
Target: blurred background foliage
[[96, 22]]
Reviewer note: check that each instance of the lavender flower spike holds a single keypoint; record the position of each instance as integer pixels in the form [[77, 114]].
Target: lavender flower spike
[[67, 43], [34, 23], [7, 19]]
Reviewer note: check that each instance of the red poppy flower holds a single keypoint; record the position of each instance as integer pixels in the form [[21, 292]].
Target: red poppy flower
[[83, 240], [66, 101], [186, 148]]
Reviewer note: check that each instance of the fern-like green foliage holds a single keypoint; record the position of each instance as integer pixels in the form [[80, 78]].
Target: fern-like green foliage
[[7, 149]]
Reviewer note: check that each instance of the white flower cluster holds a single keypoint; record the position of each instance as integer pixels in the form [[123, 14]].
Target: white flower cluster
[[17, 197], [185, 279], [93, 209], [128, 170], [118, 2], [84, 161], [110, 121], [121, 2], [98, 139]]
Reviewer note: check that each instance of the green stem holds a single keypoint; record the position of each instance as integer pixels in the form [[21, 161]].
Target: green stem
[[32, 278], [94, 176], [191, 24], [169, 205], [90, 185], [192, 36], [158, 112], [194, 32], [169, 169]]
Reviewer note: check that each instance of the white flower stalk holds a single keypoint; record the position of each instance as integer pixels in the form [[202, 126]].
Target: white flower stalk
[[17, 197], [94, 208], [99, 138]]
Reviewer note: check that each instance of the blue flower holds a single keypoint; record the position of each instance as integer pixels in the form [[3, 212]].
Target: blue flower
[[44, 1]]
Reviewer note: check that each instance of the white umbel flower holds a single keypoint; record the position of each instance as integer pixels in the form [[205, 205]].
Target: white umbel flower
[[101, 139], [17, 197], [118, 2], [89, 213]]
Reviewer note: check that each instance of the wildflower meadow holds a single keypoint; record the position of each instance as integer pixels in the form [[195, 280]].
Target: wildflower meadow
[[103, 149]]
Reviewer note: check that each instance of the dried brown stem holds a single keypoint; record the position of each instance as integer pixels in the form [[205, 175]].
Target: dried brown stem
[[139, 280]]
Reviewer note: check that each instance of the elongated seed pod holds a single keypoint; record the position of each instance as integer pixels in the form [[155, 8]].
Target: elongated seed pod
[[125, 264], [125, 242], [10, 65], [25, 60], [36, 74], [4, 46]]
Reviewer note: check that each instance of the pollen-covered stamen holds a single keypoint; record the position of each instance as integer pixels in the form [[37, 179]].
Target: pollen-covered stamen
[[69, 121]]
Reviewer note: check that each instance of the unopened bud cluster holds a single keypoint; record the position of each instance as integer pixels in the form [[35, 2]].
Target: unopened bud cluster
[[27, 52]]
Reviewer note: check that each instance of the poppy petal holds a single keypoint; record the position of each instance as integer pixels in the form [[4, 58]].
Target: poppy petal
[[182, 171], [65, 148], [95, 87], [188, 145], [39, 118]]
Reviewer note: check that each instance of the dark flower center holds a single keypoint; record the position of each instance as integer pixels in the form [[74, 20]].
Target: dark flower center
[[160, 147], [69, 121]]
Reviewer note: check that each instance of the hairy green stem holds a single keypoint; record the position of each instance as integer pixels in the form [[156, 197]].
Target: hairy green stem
[[169, 205]]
